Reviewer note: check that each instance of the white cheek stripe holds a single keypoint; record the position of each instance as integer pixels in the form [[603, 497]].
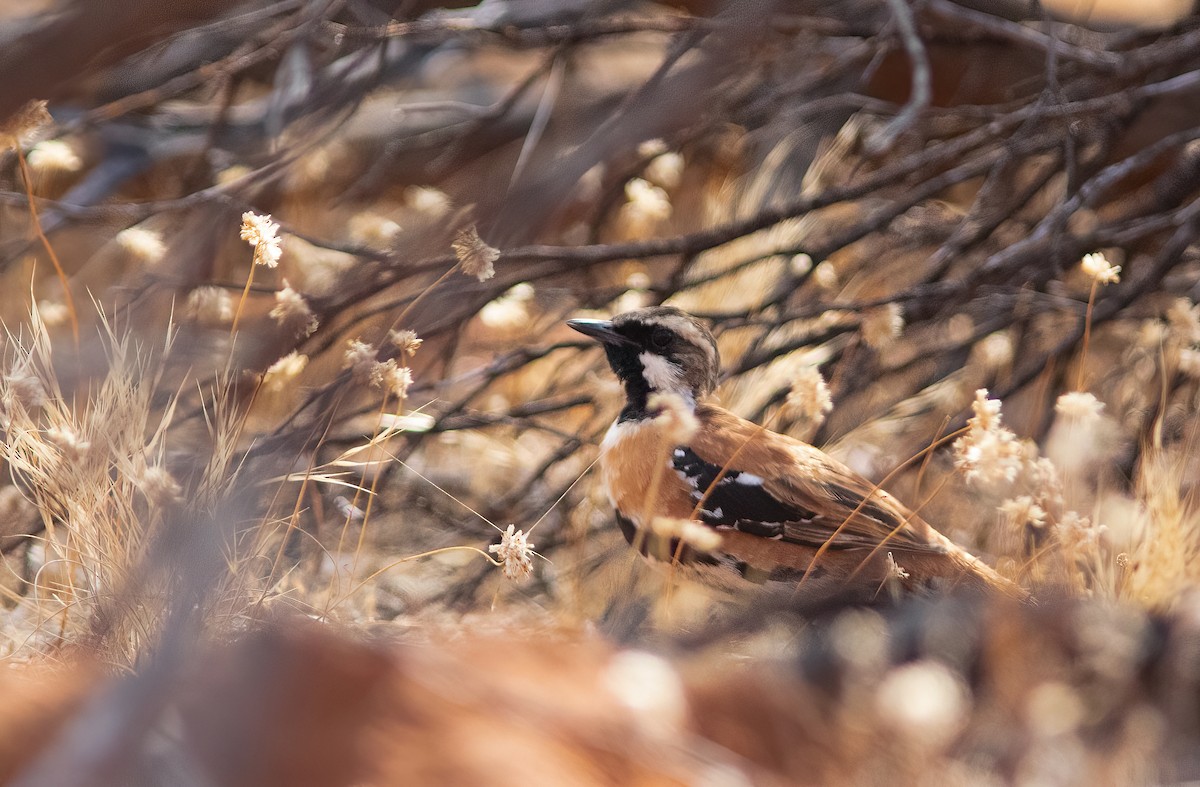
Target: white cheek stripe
[[660, 374]]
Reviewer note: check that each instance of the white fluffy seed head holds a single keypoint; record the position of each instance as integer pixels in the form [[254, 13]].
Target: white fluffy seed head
[[808, 398], [291, 311], [882, 325], [284, 371], [263, 235], [675, 415], [54, 155], [924, 702], [515, 553], [1097, 266], [475, 257], [145, 246], [1079, 406], [696, 535]]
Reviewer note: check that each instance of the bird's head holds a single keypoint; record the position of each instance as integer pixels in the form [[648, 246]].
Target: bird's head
[[659, 349]]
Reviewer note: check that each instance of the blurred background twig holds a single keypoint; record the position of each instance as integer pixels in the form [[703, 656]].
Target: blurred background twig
[[893, 195]]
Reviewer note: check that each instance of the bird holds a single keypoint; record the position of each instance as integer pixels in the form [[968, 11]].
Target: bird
[[736, 505]]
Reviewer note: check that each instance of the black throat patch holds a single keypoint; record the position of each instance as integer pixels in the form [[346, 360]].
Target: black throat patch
[[627, 367]]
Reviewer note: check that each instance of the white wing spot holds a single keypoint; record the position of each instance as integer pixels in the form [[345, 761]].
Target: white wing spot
[[749, 479], [692, 481]]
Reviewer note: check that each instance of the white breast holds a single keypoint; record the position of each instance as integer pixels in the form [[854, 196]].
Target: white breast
[[618, 432]]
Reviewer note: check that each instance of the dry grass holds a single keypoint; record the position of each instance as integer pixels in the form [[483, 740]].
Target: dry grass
[[318, 508]]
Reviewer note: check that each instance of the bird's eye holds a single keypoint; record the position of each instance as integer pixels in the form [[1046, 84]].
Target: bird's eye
[[660, 339]]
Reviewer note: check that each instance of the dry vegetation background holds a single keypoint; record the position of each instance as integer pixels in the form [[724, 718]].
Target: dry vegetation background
[[241, 546]]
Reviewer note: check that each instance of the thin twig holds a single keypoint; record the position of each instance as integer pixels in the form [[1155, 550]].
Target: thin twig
[[920, 92]]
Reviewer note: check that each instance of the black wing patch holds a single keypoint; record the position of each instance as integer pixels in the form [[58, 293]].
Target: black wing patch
[[737, 500]]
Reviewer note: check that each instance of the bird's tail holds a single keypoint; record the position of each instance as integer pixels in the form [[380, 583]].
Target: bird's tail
[[958, 568]]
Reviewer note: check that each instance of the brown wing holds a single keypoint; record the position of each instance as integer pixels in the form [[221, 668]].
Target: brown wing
[[772, 486]]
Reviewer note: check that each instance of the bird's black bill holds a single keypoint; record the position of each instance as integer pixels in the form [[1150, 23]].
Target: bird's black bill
[[600, 330]]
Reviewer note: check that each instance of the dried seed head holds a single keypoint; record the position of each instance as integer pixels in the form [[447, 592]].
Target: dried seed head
[[988, 452], [280, 374], [509, 312], [666, 170], [924, 702], [808, 399], [400, 381], [1079, 406], [380, 371], [515, 553], [652, 147], [1022, 511], [1189, 362], [262, 233], [24, 388], [1183, 321], [994, 351], [373, 229], [159, 487], [291, 311], [145, 246], [53, 312], [894, 569], [881, 325], [392, 377], [696, 535], [68, 441], [210, 305], [1152, 333], [53, 155], [987, 412], [989, 456], [474, 256], [638, 295], [427, 200], [1043, 478], [360, 359], [674, 416], [1074, 528], [407, 342], [646, 202], [1097, 266]]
